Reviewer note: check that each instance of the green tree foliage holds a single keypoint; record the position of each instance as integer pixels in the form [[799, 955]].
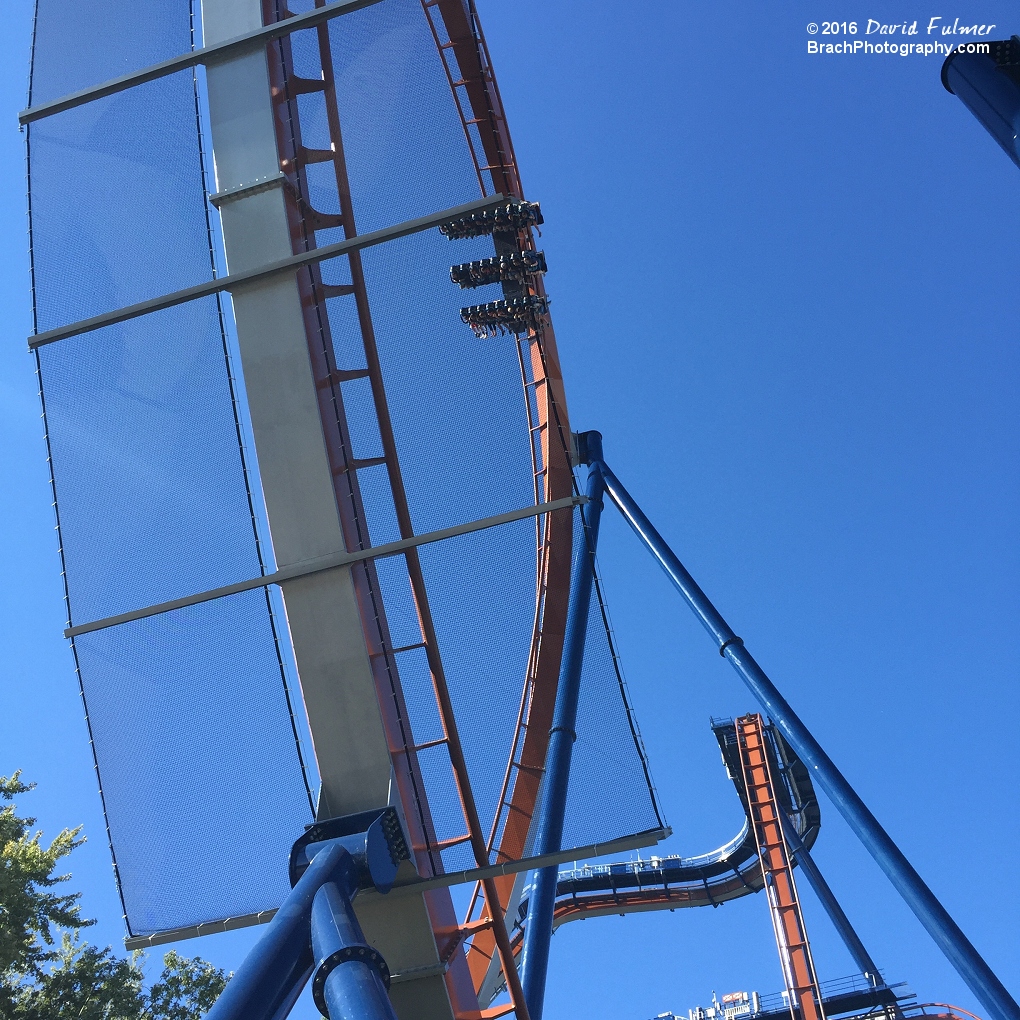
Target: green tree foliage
[[29, 911], [43, 980], [85, 982], [187, 988]]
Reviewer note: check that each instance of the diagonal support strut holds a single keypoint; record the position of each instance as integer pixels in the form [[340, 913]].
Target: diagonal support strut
[[945, 932]]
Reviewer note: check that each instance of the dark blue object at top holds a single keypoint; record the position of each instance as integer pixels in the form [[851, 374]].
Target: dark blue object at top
[[989, 85]]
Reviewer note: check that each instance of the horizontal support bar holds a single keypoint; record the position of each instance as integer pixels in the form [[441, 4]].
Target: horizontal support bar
[[321, 563], [287, 265], [419, 973], [205, 55], [161, 938], [614, 846], [638, 841]]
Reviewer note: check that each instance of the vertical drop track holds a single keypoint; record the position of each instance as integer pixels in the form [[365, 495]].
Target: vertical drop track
[[805, 996]]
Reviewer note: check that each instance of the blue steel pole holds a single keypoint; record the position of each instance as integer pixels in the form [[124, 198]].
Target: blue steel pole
[[549, 833], [351, 977], [282, 957], [828, 900], [929, 911]]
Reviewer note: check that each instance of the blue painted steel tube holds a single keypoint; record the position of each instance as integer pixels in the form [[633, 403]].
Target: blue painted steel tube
[[349, 980], [987, 988], [990, 94], [264, 982], [549, 833], [828, 900]]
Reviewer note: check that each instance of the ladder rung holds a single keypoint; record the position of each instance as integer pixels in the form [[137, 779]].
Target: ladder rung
[[407, 648], [430, 743], [306, 155], [445, 844], [331, 290], [342, 376], [298, 87]]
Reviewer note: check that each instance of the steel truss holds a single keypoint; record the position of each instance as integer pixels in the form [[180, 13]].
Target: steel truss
[[550, 485]]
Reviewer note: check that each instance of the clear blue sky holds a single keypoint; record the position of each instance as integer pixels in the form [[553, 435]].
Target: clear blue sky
[[785, 289]]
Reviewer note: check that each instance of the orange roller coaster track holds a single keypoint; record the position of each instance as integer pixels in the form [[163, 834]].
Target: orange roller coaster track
[[465, 58], [777, 872]]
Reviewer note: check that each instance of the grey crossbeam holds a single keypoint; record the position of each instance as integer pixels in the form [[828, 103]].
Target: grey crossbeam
[[205, 55], [287, 265], [332, 562], [615, 846]]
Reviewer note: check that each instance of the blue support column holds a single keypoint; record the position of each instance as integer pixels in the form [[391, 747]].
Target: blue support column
[[316, 928], [264, 983], [549, 833], [828, 900], [987, 988], [351, 978], [989, 85]]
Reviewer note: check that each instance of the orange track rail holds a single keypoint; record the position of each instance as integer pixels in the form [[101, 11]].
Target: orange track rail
[[462, 48], [777, 871], [461, 45]]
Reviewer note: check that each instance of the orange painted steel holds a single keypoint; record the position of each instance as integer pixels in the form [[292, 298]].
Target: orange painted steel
[[294, 156], [952, 1012], [461, 44], [550, 445], [777, 872]]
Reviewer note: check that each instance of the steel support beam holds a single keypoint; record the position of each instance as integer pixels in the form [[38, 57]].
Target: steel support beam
[[348, 982], [549, 833], [840, 921], [281, 961], [766, 818], [945, 932], [989, 86], [205, 55], [261, 272], [323, 614], [315, 929], [333, 562]]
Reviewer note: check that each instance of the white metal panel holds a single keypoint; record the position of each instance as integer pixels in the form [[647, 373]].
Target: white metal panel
[[322, 612], [329, 646]]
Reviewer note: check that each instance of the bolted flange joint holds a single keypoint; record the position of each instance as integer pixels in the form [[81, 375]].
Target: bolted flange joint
[[357, 953]]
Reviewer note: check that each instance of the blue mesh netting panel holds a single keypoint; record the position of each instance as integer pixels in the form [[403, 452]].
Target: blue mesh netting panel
[[484, 611], [79, 43], [195, 745], [484, 618], [151, 481], [403, 140], [148, 472], [118, 202], [457, 403], [203, 790], [610, 792]]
